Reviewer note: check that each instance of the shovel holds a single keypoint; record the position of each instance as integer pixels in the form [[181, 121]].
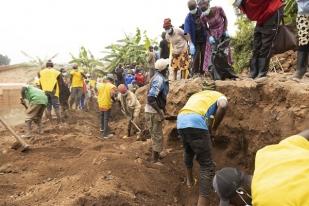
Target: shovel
[[23, 144]]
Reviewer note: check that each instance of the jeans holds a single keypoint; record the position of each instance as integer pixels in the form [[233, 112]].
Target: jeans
[[196, 142], [104, 122], [76, 95]]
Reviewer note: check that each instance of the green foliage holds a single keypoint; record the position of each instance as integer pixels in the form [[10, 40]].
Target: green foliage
[[290, 12], [242, 43], [130, 49], [86, 60], [4, 60]]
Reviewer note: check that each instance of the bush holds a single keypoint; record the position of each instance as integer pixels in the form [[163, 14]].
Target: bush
[[242, 44]]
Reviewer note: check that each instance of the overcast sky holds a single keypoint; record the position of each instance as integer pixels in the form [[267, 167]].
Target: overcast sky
[[45, 27]]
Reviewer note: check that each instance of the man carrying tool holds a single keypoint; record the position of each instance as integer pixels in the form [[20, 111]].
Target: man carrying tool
[[77, 83], [37, 102], [130, 106], [155, 107], [199, 118], [51, 82]]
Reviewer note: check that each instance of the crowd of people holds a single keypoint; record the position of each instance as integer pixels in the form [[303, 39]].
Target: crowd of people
[[199, 119]]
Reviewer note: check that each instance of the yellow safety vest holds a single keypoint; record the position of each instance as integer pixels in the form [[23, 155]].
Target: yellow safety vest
[[48, 80], [104, 96], [281, 175], [77, 79]]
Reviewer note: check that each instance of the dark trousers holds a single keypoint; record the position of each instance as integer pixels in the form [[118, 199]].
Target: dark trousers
[[264, 36], [104, 122], [53, 101], [198, 60], [196, 142]]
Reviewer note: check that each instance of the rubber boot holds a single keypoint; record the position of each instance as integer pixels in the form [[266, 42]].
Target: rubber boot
[[57, 112], [263, 67], [28, 129], [253, 68], [302, 64]]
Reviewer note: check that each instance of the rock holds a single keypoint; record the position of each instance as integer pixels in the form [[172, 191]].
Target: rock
[[109, 172], [6, 168]]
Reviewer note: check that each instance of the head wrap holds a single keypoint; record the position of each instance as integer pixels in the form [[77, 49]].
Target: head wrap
[[167, 23]]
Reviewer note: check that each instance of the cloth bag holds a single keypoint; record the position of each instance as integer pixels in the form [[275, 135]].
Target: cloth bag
[[285, 39]]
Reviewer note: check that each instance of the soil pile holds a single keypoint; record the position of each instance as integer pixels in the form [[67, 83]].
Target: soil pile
[[69, 165]]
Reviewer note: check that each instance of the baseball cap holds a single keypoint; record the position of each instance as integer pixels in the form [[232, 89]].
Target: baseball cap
[[225, 183]]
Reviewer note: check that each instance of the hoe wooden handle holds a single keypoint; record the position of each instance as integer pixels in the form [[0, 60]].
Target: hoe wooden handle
[[18, 138]]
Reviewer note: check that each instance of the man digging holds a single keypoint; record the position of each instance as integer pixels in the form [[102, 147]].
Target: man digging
[[196, 121]]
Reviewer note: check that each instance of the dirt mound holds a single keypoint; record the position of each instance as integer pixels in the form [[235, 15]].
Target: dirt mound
[[70, 165]]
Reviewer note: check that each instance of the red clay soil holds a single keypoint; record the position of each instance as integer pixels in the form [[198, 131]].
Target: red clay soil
[[69, 165]]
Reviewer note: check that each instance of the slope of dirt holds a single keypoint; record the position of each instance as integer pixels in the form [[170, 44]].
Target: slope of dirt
[[69, 165]]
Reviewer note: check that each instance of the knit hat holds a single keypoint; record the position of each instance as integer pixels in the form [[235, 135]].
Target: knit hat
[[122, 89], [167, 23], [226, 182], [162, 64]]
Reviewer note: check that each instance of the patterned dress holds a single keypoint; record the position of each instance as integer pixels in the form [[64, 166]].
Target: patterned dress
[[214, 25]]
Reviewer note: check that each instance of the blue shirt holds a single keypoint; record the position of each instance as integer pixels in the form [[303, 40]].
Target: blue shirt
[[158, 85], [129, 79], [189, 27], [195, 120]]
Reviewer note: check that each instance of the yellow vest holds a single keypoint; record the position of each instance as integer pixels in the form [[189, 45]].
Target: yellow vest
[[281, 176], [199, 103], [77, 79], [104, 95], [48, 80], [92, 83]]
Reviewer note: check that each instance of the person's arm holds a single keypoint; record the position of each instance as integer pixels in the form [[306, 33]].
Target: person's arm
[[222, 107], [153, 94], [305, 134], [222, 13], [85, 77], [187, 29]]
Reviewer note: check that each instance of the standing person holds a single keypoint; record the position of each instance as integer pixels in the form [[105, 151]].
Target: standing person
[[155, 106], [119, 72], [130, 105], [64, 94], [194, 27], [195, 124], [129, 78], [106, 92], [157, 52], [51, 82], [180, 55], [164, 47], [77, 83], [215, 23], [151, 59], [267, 14], [37, 102], [303, 38]]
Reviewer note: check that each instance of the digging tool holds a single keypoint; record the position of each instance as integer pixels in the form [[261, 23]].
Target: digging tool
[[24, 145], [135, 125]]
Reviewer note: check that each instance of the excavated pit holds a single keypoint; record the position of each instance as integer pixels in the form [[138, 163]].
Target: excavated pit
[[69, 165]]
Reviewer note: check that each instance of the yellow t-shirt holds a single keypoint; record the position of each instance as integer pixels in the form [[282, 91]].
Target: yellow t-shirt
[[104, 96], [48, 80], [77, 78], [281, 175]]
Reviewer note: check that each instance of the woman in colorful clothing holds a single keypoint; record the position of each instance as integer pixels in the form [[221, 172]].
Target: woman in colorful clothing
[[303, 38], [180, 55], [215, 22]]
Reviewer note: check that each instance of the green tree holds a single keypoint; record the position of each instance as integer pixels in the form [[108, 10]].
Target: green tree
[[86, 60], [4, 60], [130, 49], [242, 43]]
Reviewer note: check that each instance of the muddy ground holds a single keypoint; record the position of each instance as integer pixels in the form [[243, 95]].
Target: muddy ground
[[69, 165]]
